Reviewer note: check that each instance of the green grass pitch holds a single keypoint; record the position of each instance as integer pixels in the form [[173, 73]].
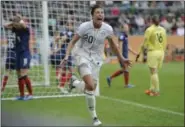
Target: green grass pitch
[[117, 105]]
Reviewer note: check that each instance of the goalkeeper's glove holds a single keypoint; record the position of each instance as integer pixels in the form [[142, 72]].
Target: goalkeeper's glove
[[145, 56], [137, 57], [144, 59]]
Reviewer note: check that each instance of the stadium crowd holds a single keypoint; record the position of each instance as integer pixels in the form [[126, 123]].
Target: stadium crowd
[[138, 15]]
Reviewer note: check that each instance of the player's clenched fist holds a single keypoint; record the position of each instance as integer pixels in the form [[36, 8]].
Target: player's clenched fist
[[63, 61], [137, 57]]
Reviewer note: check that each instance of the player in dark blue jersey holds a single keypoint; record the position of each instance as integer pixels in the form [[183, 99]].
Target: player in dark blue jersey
[[124, 47], [10, 57], [61, 42], [23, 55]]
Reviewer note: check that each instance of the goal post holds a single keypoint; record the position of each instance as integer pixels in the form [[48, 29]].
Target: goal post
[[44, 18], [45, 43]]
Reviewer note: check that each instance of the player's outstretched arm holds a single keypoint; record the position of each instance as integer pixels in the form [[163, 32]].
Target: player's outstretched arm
[[138, 54], [143, 46], [132, 51], [112, 40], [8, 26]]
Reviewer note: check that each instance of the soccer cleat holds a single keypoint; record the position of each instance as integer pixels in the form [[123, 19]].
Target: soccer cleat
[[20, 98], [154, 93], [147, 92], [151, 93], [62, 90], [96, 122], [71, 87], [28, 97], [109, 81], [129, 86]]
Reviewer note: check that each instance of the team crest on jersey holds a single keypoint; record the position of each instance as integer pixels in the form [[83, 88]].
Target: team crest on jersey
[[102, 33]]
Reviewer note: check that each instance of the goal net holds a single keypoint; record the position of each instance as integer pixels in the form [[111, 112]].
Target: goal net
[[47, 20]]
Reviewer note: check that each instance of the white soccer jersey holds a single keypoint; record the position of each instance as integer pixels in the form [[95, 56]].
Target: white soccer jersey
[[91, 43]]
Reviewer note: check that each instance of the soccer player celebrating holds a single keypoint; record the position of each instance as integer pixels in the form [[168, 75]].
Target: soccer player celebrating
[[155, 43], [23, 55], [124, 47], [10, 58], [89, 54]]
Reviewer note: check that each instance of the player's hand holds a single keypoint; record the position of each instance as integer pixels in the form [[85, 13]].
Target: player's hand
[[63, 61], [137, 57], [64, 38], [144, 59], [126, 62]]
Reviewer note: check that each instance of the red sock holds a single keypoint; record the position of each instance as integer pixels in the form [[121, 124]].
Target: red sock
[[63, 80], [126, 77], [117, 73], [21, 83], [28, 85], [57, 71], [69, 76], [5, 79]]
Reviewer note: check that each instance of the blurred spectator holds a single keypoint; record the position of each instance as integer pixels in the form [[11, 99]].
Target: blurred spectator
[[115, 10], [180, 22], [126, 3], [137, 15], [60, 12], [152, 4], [108, 2], [180, 27], [143, 4], [123, 18], [161, 4], [140, 22], [167, 23], [148, 21], [180, 31]]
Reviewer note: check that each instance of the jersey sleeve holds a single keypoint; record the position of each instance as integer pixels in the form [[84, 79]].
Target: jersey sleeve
[[109, 30], [146, 39], [81, 29], [147, 35], [121, 37]]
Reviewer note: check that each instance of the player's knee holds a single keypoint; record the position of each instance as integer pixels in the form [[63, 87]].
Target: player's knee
[[22, 77], [125, 71], [89, 87], [24, 71], [153, 71]]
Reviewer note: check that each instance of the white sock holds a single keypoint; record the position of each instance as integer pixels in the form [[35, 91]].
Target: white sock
[[91, 102]]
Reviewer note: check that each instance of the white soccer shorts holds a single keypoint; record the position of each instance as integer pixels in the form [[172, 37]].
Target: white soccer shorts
[[88, 67]]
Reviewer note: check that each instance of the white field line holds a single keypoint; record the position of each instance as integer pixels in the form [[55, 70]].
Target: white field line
[[111, 99], [46, 97], [142, 105]]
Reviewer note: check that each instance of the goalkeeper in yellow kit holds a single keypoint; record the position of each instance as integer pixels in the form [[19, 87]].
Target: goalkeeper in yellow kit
[[155, 45]]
